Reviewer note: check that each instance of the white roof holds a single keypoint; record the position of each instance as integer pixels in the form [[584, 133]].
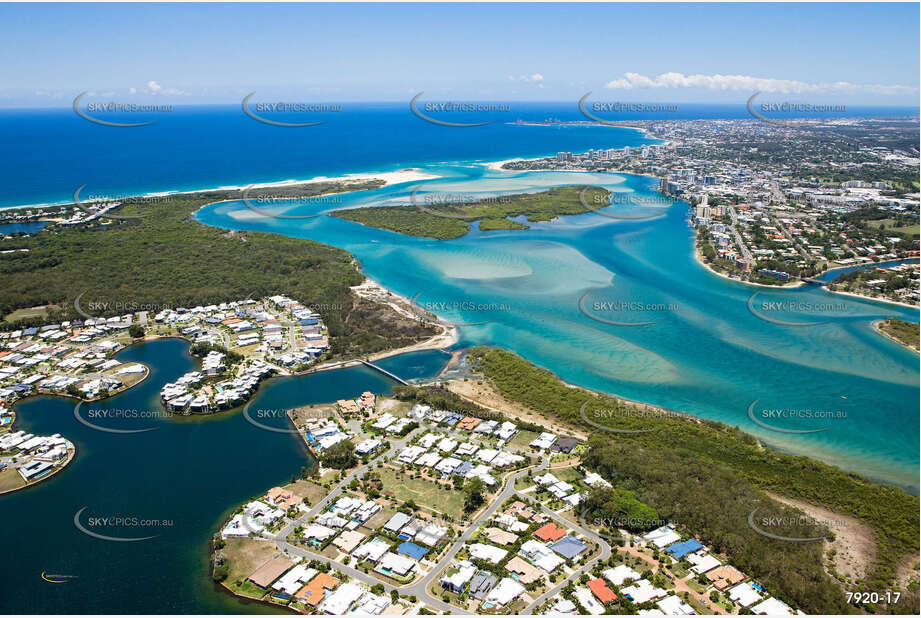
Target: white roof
[[744, 594], [587, 600], [563, 606], [429, 459], [397, 563], [318, 532], [487, 552], [370, 604], [772, 607], [643, 591], [397, 521], [702, 562], [673, 606], [448, 465], [339, 601], [506, 592], [410, 453], [619, 574], [447, 445], [293, 580], [593, 479], [464, 574], [372, 550], [663, 536]]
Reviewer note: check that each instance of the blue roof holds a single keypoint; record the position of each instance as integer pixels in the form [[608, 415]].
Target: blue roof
[[569, 547], [412, 550], [683, 548]]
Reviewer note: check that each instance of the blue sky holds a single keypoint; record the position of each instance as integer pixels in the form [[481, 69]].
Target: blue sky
[[205, 53]]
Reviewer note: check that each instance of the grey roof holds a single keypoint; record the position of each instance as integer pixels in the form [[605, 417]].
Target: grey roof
[[397, 521], [569, 547], [481, 584]]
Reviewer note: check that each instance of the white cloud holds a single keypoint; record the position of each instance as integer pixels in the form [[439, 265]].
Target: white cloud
[[154, 87], [747, 83], [535, 78]]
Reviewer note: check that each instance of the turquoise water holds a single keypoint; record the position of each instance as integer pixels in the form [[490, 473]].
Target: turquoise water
[[415, 365], [705, 354], [190, 472]]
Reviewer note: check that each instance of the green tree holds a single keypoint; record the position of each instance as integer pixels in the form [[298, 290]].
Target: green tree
[[340, 456], [474, 494]]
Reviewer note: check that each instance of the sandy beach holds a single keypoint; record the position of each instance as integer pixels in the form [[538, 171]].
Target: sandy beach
[[412, 174], [390, 178], [699, 257]]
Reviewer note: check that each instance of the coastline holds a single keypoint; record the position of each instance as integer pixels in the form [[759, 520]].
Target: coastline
[[877, 326], [410, 174], [872, 298], [71, 454], [699, 257], [373, 290]]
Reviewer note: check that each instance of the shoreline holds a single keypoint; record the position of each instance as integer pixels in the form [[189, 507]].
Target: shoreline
[[409, 174], [872, 298], [877, 326], [71, 455], [699, 257]]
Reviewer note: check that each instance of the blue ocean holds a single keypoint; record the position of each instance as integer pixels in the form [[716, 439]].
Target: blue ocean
[[685, 338]]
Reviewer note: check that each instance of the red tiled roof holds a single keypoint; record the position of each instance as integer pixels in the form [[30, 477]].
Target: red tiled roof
[[601, 590], [550, 532]]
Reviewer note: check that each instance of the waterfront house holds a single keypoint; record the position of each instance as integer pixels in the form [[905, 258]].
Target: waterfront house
[[315, 590], [292, 581], [271, 570]]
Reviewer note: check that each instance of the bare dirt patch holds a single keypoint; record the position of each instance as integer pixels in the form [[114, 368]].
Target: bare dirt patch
[[482, 394], [854, 544], [907, 572], [245, 556]]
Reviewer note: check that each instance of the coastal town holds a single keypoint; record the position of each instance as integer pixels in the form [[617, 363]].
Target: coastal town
[[838, 193], [240, 343], [429, 511]]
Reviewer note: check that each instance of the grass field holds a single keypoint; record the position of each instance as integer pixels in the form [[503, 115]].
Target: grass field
[[307, 489], [888, 223], [10, 479], [243, 557], [424, 493], [29, 312]]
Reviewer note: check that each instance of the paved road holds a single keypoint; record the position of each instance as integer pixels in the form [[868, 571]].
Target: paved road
[[746, 253], [281, 538], [420, 587], [604, 555]]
